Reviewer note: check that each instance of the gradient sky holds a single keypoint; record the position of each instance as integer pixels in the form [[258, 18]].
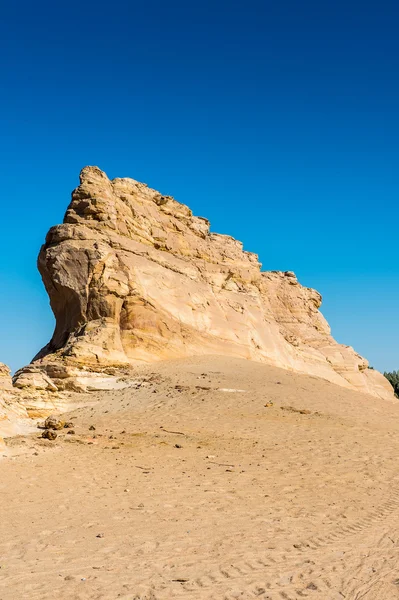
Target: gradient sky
[[278, 121]]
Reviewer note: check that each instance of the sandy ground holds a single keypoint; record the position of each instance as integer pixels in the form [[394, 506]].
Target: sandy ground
[[190, 487]]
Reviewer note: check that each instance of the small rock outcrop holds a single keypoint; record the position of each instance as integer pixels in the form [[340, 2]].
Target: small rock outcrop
[[13, 415], [133, 276], [5, 377]]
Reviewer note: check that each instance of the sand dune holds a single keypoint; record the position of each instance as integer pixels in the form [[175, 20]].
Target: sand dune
[[210, 478]]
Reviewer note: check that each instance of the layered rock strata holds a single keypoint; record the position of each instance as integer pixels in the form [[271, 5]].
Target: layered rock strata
[[133, 276]]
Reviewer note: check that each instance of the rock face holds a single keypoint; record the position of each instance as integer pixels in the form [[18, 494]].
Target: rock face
[[133, 276]]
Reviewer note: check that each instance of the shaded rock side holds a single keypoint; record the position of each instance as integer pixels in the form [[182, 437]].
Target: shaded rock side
[[133, 276]]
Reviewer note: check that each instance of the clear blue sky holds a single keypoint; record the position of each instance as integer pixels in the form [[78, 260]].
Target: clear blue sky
[[279, 121]]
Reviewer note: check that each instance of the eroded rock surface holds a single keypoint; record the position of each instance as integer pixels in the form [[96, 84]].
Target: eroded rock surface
[[133, 276]]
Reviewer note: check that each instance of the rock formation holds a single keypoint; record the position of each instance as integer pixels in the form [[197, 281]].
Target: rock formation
[[133, 276]]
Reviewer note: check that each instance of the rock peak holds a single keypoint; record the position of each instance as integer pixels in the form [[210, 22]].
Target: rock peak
[[92, 172]]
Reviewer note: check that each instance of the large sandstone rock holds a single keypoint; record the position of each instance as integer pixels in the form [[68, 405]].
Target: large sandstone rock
[[133, 276]]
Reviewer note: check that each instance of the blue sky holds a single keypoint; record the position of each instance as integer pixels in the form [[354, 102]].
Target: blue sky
[[278, 121]]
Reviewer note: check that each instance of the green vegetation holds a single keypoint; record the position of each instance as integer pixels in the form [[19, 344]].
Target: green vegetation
[[393, 379]]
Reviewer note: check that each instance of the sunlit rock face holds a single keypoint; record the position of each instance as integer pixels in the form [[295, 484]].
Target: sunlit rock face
[[133, 276]]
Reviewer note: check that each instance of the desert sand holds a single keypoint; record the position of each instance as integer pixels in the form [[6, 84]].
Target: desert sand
[[209, 478]]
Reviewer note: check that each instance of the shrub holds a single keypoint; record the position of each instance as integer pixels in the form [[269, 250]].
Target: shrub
[[393, 379]]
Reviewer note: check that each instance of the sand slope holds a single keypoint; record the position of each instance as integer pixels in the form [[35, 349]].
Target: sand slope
[[258, 502]]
